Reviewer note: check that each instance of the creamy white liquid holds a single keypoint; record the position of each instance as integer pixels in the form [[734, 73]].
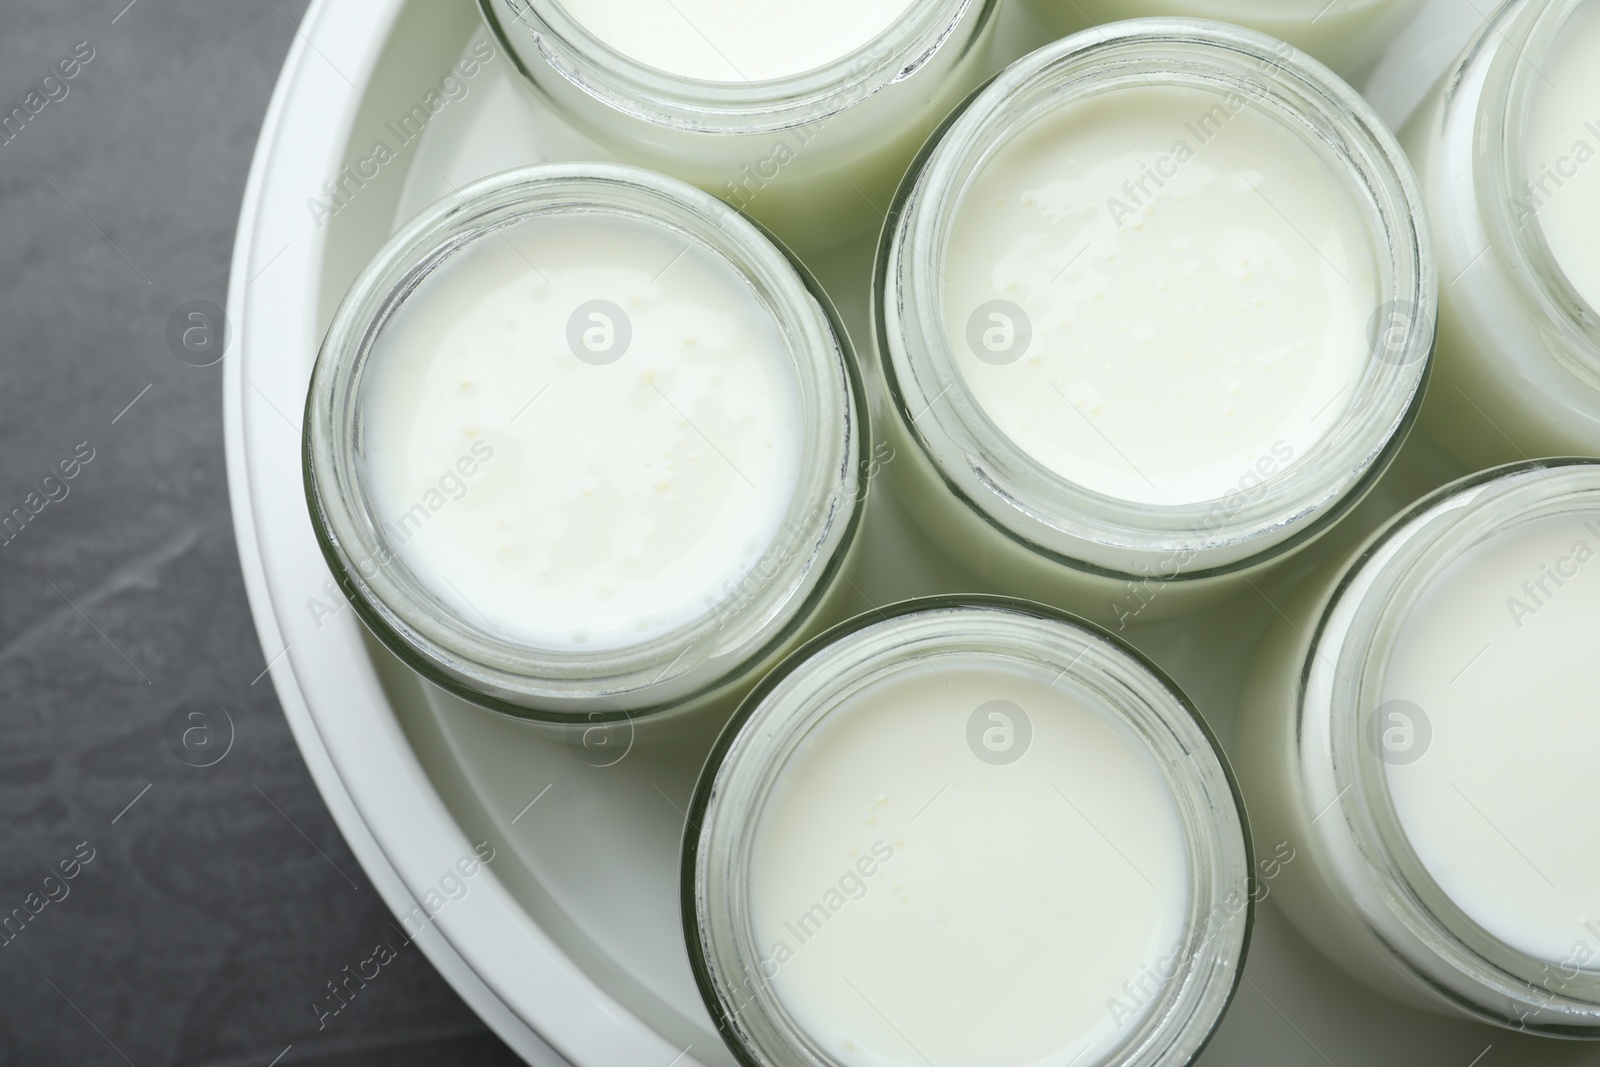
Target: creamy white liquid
[[568, 503], [971, 913], [1499, 655], [1563, 152], [1200, 287], [736, 40]]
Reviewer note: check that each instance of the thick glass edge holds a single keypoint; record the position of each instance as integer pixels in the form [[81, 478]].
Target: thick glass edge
[[1327, 518], [386, 626], [1318, 648], [706, 781]]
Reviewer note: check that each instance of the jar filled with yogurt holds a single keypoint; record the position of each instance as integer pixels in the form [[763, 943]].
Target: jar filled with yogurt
[[1505, 150], [1153, 313], [1420, 723], [802, 115], [582, 445], [970, 830]]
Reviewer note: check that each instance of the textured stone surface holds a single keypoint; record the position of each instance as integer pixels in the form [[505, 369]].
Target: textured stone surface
[[218, 905]]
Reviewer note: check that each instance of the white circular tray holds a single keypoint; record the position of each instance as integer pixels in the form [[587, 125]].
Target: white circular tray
[[568, 943]]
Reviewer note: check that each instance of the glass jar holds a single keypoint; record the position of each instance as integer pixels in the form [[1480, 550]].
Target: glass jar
[[1347, 35], [1025, 527], [1029, 779], [814, 155], [1417, 724], [707, 648], [1519, 347]]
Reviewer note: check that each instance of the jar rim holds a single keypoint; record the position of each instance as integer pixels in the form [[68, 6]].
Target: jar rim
[[1340, 687], [1032, 504], [705, 654], [1509, 40], [806, 689], [725, 107]]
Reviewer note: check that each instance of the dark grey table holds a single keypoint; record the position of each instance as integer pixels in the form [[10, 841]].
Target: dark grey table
[[219, 900]]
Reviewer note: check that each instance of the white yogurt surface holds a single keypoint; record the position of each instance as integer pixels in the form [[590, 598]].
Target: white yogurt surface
[[1563, 152], [575, 503], [916, 901], [1499, 657], [1199, 283], [736, 40]]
